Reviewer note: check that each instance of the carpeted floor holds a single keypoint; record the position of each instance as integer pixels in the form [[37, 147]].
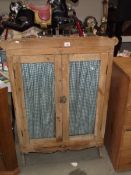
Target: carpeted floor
[[83, 162]]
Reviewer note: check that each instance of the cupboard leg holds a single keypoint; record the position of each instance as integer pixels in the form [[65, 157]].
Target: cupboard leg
[[100, 151], [24, 162]]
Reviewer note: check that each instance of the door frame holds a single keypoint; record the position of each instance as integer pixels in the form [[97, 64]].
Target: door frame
[[27, 144], [89, 139]]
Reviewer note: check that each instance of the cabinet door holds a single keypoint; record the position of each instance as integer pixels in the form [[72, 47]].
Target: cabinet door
[[37, 90], [84, 82]]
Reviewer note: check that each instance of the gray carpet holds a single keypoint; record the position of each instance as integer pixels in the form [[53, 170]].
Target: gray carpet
[[83, 162]]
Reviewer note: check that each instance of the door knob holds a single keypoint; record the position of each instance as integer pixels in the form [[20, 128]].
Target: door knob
[[63, 99]]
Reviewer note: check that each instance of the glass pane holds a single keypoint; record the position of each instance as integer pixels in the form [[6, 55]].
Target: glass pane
[[39, 86], [83, 85]]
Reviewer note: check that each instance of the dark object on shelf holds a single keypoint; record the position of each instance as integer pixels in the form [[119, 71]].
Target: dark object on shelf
[[8, 159], [1, 26], [20, 18], [53, 16], [126, 28], [118, 14], [61, 19], [125, 46], [90, 25], [124, 10], [42, 14]]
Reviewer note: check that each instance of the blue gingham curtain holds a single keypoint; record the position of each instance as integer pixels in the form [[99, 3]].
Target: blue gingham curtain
[[83, 85], [39, 87]]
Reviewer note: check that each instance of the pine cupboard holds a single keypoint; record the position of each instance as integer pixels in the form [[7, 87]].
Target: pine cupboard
[[60, 89]]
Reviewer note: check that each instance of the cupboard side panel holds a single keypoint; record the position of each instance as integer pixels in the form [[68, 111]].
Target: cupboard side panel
[[116, 113]]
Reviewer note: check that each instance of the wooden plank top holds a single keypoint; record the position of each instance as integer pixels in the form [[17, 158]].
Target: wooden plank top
[[124, 63], [61, 42]]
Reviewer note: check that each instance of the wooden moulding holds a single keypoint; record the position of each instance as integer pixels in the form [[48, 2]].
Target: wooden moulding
[[76, 143], [15, 172], [52, 45]]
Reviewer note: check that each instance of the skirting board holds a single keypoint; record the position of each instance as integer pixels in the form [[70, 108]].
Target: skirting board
[[15, 172]]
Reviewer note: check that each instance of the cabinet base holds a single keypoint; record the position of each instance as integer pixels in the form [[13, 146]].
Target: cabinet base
[[15, 172]]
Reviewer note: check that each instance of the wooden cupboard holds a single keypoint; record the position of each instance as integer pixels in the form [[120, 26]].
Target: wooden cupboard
[[118, 128], [8, 159], [60, 88]]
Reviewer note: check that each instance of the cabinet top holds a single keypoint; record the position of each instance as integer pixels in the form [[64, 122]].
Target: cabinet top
[[124, 63], [63, 43]]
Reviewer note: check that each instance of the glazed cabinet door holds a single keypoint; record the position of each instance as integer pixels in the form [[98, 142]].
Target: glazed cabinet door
[[84, 80], [37, 91]]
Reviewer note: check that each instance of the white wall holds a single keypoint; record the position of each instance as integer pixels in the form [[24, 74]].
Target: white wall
[[89, 8], [84, 8]]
